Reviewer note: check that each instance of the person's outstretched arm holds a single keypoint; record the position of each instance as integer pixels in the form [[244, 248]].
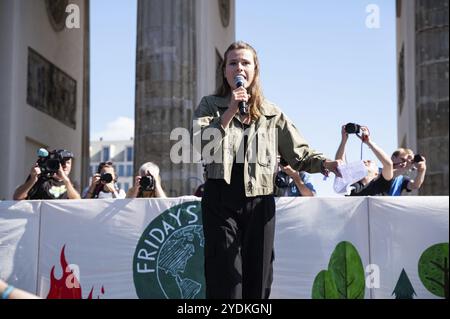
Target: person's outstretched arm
[[296, 151], [388, 171], [15, 293], [303, 189], [340, 153]]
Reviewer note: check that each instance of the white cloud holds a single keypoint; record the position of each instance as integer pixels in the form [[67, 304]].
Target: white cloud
[[120, 129]]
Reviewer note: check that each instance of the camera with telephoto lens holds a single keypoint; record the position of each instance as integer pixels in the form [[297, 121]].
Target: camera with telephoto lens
[[49, 162], [352, 128], [417, 158], [147, 183], [106, 178]]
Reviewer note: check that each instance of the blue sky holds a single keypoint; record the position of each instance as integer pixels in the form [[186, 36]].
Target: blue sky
[[113, 57], [319, 62]]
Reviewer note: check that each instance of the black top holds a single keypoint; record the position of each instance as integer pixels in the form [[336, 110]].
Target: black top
[[378, 186], [48, 189], [233, 193], [237, 171]]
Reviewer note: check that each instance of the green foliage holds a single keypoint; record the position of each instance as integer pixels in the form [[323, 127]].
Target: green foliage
[[345, 276], [324, 287], [434, 269]]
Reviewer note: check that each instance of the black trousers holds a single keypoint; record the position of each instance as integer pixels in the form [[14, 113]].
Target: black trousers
[[239, 236]]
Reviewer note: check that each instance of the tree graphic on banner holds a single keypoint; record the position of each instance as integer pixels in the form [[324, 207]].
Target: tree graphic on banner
[[344, 278], [404, 289], [434, 270]]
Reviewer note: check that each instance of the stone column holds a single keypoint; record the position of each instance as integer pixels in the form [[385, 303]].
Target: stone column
[[85, 139], [165, 86], [432, 90]]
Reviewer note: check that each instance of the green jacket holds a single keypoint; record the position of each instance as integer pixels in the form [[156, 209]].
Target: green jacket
[[271, 134]]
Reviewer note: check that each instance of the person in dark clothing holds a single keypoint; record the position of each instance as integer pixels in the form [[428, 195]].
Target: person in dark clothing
[[56, 186], [238, 206]]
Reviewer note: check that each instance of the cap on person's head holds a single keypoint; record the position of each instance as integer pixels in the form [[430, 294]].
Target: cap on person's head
[[64, 153]]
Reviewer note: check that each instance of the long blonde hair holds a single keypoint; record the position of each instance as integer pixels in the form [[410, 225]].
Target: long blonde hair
[[254, 90]]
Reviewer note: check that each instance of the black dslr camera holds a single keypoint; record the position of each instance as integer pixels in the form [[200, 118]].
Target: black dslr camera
[[352, 128], [49, 162], [417, 158], [147, 183], [106, 178]]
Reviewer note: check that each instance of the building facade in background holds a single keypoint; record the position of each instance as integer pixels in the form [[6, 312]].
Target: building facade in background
[[44, 81], [120, 153], [423, 86], [179, 48]]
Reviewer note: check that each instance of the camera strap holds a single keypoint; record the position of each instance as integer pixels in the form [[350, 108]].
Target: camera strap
[[362, 144]]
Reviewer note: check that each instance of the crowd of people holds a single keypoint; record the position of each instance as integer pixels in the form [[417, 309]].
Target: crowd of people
[[103, 183], [394, 178]]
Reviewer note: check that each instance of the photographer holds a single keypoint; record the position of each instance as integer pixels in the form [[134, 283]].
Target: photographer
[[148, 183], [49, 178], [103, 184], [405, 161], [374, 183], [289, 182]]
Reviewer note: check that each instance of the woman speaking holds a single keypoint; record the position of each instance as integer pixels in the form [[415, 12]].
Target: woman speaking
[[241, 135]]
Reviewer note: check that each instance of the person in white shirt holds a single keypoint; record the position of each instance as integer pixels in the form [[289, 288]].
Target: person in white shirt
[[104, 183]]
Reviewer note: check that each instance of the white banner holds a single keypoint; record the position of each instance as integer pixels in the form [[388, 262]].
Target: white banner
[[153, 248], [402, 229], [19, 243], [100, 239], [307, 232]]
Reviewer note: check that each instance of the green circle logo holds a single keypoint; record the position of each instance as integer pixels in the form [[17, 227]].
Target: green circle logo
[[168, 260]]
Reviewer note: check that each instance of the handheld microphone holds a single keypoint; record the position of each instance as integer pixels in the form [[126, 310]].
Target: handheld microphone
[[239, 80]]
